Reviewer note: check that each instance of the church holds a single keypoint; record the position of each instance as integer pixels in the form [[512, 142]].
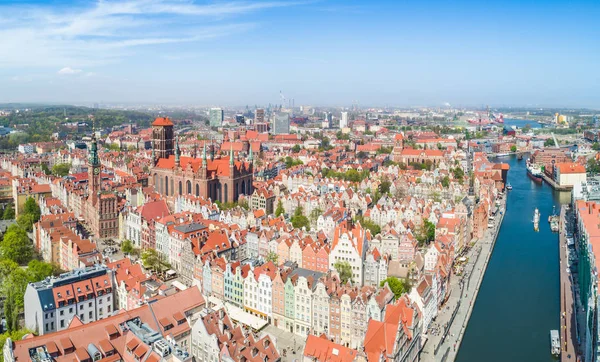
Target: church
[[221, 179]]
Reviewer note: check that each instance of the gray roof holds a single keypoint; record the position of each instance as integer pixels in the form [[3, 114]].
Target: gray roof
[[190, 228]]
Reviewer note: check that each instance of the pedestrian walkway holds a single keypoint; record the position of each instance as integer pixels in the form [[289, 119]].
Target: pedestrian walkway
[[447, 331]]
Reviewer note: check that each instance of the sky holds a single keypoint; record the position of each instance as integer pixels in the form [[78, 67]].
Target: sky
[[317, 52]]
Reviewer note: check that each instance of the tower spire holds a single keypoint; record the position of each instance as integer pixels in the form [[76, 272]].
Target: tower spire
[[250, 155], [231, 154], [177, 152], [204, 154]]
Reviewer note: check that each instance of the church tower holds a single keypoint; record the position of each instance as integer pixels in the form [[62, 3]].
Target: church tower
[[162, 138], [93, 170]]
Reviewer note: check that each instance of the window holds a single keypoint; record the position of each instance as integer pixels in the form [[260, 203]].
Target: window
[[62, 323], [91, 315]]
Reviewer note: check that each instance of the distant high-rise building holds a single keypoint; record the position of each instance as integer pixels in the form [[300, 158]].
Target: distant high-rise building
[[216, 117], [344, 120], [239, 118], [281, 123], [328, 119], [259, 115]]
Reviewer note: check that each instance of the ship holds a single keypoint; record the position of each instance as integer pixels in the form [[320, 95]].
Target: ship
[[554, 342], [554, 220], [534, 172], [536, 220], [509, 186]]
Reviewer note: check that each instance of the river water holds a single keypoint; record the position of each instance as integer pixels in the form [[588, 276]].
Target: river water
[[518, 302]]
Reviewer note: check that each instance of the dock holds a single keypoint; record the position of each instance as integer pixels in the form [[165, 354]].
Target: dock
[[554, 185], [568, 324]]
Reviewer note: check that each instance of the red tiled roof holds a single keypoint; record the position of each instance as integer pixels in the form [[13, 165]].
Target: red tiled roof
[[162, 121]]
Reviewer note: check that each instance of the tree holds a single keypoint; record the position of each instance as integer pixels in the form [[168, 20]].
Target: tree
[[344, 270], [61, 169], [299, 220], [596, 146], [513, 148], [549, 142], [31, 207], [397, 286], [362, 155], [39, 270], [593, 166], [279, 210], [458, 173], [314, 215], [45, 169], [127, 246], [446, 181], [25, 221], [272, 257], [296, 148], [426, 233], [384, 186], [151, 259], [16, 245], [369, 225], [9, 213]]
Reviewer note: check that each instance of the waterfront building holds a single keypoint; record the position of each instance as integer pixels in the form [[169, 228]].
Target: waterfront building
[[216, 117], [567, 174], [85, 294]]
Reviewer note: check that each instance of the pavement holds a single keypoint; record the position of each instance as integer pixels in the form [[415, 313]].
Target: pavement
[[446, 333], [285, 340], [568, 322]]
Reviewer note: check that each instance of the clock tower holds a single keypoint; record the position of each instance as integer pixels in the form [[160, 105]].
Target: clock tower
[[93, 171]]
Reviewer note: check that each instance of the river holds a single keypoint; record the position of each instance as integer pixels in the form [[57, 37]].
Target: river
[[518, 302]]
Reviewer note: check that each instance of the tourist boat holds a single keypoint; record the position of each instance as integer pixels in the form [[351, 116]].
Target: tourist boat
[[536, 220], [501, 154], [555, 342], [554, 220], [534, 172], [509, 186], [520, 156]]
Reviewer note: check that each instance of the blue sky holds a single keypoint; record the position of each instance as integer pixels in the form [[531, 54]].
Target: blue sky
[[319, 52]]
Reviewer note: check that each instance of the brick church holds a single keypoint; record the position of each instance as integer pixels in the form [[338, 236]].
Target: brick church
[[220, 179]]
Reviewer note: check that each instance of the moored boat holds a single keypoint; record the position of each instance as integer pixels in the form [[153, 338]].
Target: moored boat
[[534, 172], [554, 342], [536, 220], [509, 186]]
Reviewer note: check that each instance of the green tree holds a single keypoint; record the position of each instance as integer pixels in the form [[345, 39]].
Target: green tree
[[272, 257], [384, 186], [458, 173], [61, 169], [549, 142], [446, 181], [25, 221], [9, 212], [397, 286], [596, 146], [16, 245], [314, 215], [127, 246], [151, 260], [513, 148], [369, 225], [426, 233], [362, 155], [296, 148], [279, 210], [32, 208], [39, 270], [299, 220], [593, 166], [46, 169], [344, 270]]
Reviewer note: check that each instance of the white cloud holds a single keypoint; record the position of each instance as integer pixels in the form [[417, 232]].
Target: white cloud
[[109, 30], [69, 71]]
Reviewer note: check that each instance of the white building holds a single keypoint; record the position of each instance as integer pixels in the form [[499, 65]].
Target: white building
[[350, 244]]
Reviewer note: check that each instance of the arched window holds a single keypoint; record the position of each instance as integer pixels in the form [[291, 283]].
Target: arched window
[[162, 186], [189, 187], [197, 190], [156, 182], [171, 187], [243, 187], [218, 193], [180, 188], [225, 192], [166, 185], [249, 188]]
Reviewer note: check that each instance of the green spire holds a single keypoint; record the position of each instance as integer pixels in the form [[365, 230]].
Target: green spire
[[204, 154], [231, 155], [250, 155], [94, 160]]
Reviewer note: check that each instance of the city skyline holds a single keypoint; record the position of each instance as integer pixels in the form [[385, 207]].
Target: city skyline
[[315, 52]]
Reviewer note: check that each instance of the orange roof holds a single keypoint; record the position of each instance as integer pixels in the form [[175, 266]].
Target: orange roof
[[162, 121], [570, 167], [321, 349]]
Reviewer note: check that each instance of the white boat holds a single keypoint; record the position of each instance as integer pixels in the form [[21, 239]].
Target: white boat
[[501, 154], [509, 186], [536, 219], [555, 342]]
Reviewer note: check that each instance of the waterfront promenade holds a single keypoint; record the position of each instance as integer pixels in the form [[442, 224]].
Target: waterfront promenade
[[452, 319], [568, 324]]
